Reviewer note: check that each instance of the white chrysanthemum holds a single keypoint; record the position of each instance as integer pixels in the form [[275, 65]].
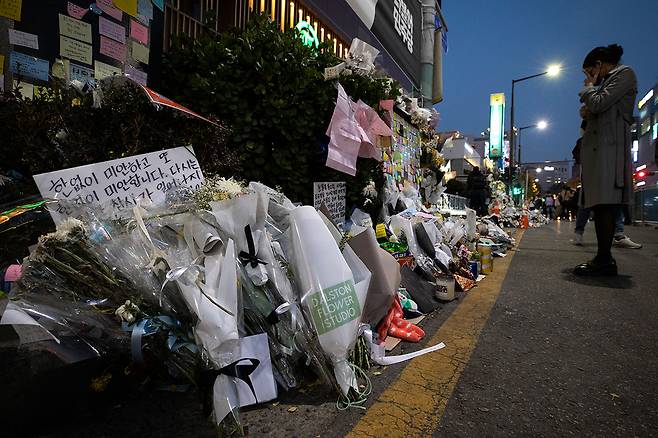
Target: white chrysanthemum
[[65, 228], [229, 186], [370, 191]]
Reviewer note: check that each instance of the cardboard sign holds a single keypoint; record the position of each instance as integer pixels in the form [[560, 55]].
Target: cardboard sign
[[29, 66], [74, 49], [117, 185], [332, 195], [18, 38]]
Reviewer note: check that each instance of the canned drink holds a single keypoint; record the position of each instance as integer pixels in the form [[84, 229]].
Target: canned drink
[[474, 269]]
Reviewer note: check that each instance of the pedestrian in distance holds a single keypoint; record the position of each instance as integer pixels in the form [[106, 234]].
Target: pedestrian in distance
[[550, 206], [608, 95], [476, 185]]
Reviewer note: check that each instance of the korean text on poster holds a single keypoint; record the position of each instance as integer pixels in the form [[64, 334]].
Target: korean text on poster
[[117, 185], [332, 195]]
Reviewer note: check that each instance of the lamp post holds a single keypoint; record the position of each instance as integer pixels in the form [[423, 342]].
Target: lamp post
[[541, 125], [552, 70]]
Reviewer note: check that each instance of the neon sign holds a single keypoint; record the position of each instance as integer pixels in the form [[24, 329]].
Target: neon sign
[[308, 34]]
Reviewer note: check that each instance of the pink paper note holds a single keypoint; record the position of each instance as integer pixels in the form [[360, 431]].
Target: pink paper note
[[108, 7], [139, 32], [76, 11], [113, 49], [112, 30]]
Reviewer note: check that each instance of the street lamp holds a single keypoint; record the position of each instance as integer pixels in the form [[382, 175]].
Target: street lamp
[[541, 125], [538, 170], [551, 71]]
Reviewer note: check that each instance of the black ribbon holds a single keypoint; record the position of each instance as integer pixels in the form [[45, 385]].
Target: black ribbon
[[242, 372], [250, 257]]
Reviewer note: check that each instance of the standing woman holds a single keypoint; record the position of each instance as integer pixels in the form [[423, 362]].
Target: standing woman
[[609, 97]]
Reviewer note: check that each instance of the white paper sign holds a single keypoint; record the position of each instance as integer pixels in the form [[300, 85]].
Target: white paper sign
[[332, 195], [24, 39], [117, 185]]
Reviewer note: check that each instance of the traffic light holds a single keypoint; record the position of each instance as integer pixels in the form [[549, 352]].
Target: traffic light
[[639, 177]]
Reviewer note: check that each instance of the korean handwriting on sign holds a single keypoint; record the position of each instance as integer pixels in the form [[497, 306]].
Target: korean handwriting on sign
[[404, 23], [66, 188]]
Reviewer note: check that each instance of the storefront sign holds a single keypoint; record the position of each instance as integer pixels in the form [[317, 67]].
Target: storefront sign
[[397, 25], [496, 125], [307, 34]]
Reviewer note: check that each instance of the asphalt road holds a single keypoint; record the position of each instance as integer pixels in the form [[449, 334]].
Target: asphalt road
[[561, 355]]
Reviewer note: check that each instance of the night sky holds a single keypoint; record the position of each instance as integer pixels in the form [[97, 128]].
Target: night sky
[[492, 42]]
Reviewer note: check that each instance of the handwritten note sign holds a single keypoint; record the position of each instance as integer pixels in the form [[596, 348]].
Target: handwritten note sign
[[109, 9], [139, 52], [29, 66], [145, 10], [73, 28], [113, 49], [137, 75], [117, 185], [332, 195], [18, 38], [76, 11], [102, 70], [11, 9], [74, 49], [139, 32], [80, 73], [112, 30], [127, 6]]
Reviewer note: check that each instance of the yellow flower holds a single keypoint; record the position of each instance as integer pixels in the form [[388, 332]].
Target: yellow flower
[[99, 384]]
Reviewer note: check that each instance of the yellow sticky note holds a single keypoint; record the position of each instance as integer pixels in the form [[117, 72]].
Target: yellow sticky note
[[102, 70], [74, 49], [11, 9], [380, 231], [2, 64], [139, 52], [127, 6]]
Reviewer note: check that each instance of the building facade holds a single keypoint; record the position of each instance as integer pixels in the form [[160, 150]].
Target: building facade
[[550, 176], [644, 153]]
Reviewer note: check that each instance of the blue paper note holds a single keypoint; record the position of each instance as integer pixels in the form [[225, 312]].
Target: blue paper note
[[145, 9], [80, 73], [29, 66], [159, 4]]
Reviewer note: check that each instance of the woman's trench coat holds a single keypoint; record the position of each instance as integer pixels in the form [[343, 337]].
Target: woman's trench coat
[[606, 146]]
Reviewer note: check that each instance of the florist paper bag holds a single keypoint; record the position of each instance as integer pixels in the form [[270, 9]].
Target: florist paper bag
[[385, 278], [327, 289]]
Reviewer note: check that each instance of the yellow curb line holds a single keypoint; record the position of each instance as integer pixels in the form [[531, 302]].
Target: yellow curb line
[[412, 406]]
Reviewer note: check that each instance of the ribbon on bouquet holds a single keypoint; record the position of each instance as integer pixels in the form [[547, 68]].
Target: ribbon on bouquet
[[177, 272], [149, 326], [250, 257], [243, 372], [378, 352]]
